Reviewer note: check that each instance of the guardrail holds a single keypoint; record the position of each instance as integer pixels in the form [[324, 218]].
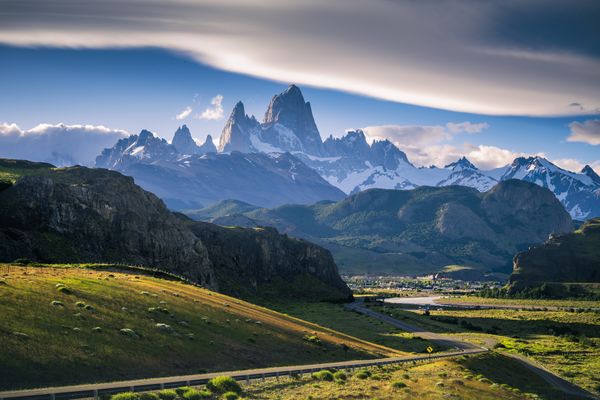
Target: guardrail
[[144, 385]]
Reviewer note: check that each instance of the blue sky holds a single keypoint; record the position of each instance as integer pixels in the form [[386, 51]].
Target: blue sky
[[520, 77]]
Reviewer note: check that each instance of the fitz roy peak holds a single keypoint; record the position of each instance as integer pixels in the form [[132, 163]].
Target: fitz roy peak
[[185, 175], [286, 157]]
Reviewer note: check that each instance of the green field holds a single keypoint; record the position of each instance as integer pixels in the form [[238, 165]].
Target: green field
[[565, 342], [524, 303], [72, 325], [337, 317]]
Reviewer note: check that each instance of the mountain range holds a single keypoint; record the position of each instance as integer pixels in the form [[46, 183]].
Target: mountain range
[[185, 175], [284, 160], [414, 231]]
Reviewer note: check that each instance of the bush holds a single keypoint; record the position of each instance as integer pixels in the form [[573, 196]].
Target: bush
[[148, 396], [129, 332], [125, 396], [194, 394], [362, 375], [340, 376], [167, 394], [230, 396], [64, 290], [80, 304], [57, 303], [314, 339], [323, 376], [181, 390], [223, 384], [398, 385]]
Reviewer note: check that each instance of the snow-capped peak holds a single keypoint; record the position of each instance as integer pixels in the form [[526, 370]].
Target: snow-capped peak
[[462, 163]]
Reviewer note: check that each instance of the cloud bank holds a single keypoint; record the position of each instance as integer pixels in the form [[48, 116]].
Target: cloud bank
[[493, 57], [424, 144], [586, 132], [59, 144]]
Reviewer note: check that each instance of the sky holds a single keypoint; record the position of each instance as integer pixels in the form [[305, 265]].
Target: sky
[[489, 80]]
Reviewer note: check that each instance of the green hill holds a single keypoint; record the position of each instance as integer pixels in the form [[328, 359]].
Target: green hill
[[424, 229], [67, 324]]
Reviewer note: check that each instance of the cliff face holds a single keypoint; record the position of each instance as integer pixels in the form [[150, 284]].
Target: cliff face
[[93, 215], [574, 258], [83, 215], [248, 259]]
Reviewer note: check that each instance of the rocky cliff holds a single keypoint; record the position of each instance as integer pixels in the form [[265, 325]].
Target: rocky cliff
[[247, 259], [571, 258], [79, 214]]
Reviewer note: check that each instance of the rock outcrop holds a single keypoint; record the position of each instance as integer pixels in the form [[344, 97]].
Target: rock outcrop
[[570, 258], [83, 215]]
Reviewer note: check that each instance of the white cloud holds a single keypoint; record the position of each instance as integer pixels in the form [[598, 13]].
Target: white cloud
[[574, 165], [418, 135], [457, 55], [424, 145], [586, 132], [214, 112], [184, 113], [58, 144]]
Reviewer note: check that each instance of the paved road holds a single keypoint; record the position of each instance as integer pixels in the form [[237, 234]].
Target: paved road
[[445, 341], [140, 385], [570, 389]]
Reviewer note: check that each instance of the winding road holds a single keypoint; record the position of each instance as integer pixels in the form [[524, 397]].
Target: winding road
[[568, 388]]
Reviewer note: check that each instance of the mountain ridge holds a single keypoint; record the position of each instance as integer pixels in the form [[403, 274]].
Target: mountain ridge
[[419, 230]]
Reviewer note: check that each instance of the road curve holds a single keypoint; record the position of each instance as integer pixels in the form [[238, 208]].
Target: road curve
[[559, 383]]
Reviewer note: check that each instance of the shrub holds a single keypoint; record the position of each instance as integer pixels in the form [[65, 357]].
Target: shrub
[[64, 290], [340, 375], [125, 396], [323, 376], [129, 332], [89, 308], [223, 384], [362, 375], [194, 394], [97, 329], [398, 385], [230, 396], [148, 396], [164, 327], [167, 394], [80, 304], [22, 261], [57, 303], [181, 390], [314, 339]]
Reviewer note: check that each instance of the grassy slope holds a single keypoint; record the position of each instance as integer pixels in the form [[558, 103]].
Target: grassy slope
[[567, 343], [337, 317], [61, 347], [449, 379]]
